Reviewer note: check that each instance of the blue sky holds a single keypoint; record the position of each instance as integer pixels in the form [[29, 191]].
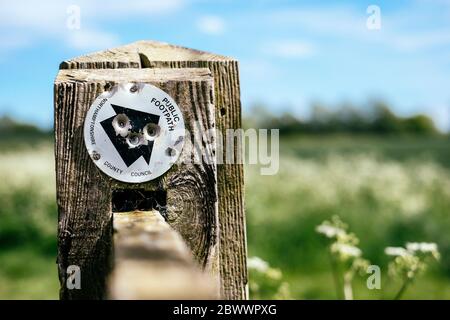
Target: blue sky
[[291, 53]]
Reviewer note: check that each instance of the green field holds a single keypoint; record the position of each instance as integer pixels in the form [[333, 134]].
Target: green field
[[390, 190]]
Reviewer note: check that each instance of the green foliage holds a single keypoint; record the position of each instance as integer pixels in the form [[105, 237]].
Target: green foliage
[[17, 135], [28, 210], [28, 223], [376, 118], [10, 127], [27, 273], [419, 124]]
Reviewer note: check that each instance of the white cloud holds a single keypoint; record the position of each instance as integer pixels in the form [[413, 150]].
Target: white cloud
[[120, 8], [258, 69], [11, 42], [84, 39], [212, 25], [398, 30], [330, 21], [418, 41], [18, 15], [293, 49], [47, 19], [51, 13]]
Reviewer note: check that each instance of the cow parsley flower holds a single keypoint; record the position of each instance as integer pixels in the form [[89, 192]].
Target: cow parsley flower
[[258, 264], [410, 261], [426, 248], [329, 231], [345, 251], [396, 251], [345, 256], [332, 229]]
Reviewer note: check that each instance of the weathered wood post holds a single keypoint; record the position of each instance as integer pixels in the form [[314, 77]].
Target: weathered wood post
[[203, 202]]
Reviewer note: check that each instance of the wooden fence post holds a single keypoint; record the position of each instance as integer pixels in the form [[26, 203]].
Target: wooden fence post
[[204, 203]]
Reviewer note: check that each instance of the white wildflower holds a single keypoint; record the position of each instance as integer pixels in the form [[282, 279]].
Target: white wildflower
[[424, 247], [329, 231], [396, 251], [257, 264], [346, 250]]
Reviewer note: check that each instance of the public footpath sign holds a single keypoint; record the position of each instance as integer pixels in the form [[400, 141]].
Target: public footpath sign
[[134, 132]]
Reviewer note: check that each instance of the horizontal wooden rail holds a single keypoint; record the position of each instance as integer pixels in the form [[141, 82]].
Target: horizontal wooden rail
[[152, 261]]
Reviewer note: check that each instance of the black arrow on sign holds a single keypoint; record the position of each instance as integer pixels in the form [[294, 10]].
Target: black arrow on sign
[[138, 121]]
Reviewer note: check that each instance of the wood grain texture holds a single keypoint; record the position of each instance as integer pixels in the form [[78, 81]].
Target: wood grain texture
[[230, 177], [109, 59], [84, 192], [152, 261]]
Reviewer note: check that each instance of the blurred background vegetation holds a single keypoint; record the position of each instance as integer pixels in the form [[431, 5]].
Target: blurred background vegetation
[[388, 177]]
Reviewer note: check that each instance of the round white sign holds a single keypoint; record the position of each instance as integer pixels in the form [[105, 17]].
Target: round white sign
[[134, 132]]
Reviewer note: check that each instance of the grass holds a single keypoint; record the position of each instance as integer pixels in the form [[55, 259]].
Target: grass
[[318, 285], [28, 274], [389, 190]]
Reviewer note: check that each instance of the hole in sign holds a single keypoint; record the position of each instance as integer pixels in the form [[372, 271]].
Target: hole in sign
[[125, 200]]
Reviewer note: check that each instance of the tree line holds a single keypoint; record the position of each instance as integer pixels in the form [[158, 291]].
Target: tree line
[[376, 118]]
